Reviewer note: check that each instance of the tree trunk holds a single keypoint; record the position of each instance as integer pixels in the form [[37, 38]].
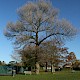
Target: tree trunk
[[52, 68], [46, 67], [37, 68]]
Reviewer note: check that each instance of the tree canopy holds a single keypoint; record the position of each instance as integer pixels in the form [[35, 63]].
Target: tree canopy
[[37, 22]]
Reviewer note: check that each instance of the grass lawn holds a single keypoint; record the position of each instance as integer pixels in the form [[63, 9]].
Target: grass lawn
[[63, 75]]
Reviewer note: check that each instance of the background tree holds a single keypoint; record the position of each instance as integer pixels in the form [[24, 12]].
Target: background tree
[[51, 54], [64, 53], [76, 65], [27, 55], [2, 63], [37, 22], [71, 58]]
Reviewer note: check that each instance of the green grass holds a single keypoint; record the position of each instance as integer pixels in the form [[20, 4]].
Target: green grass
[[63, 75]]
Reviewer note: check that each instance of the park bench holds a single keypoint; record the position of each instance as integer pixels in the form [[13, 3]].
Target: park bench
[[73, 71], [27, 72]]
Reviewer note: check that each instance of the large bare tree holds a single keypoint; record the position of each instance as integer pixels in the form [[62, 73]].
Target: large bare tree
[[38, 22]]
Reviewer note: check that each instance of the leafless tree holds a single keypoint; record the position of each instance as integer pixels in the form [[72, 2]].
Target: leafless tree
[[38, 22], [55, 54]]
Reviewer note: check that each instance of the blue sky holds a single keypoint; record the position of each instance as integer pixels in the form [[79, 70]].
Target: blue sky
[[69, 9]]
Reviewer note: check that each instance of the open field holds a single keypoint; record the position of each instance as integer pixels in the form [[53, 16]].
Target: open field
[[45, 76]]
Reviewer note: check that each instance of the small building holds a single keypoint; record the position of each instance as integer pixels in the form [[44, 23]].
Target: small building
[[5, 70]]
